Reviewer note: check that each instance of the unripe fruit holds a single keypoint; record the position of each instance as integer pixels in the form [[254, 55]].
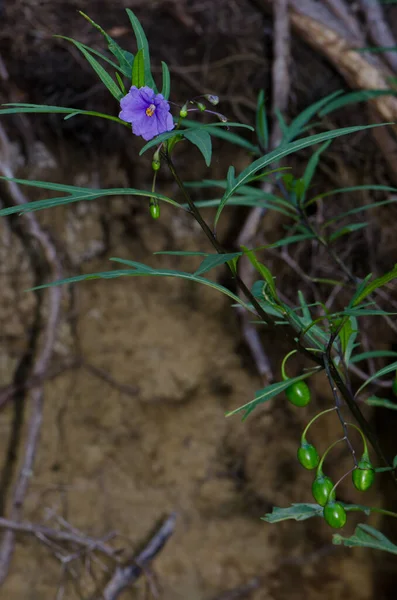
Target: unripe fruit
[[298, 393], [363, 477], [154, 210], [335, 515], [308, 456], [321, 489]]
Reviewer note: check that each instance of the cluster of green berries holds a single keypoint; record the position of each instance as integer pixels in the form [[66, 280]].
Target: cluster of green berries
[[323, 488]]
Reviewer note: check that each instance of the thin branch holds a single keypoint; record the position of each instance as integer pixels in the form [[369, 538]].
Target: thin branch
[[125, 576], [85, 542], [280, 95], [32, 231]]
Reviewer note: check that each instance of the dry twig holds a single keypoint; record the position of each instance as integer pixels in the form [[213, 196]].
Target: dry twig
[[31, 230], [280, 93], [127, 575]]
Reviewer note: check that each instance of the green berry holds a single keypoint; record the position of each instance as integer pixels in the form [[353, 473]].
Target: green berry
[[154, 210], [298, 393], [363, 477], [156, 165], [321, 489], [308, 456], [335, 514]]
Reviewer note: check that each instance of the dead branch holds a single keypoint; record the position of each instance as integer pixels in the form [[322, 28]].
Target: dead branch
[[319, 28], [40, 531], [126, 575], [31, 230], [280, 94]]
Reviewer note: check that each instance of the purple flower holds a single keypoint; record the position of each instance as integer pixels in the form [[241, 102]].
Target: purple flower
[[149, 113]]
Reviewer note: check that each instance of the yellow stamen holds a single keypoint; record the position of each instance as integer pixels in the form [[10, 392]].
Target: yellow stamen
[[150, 110]]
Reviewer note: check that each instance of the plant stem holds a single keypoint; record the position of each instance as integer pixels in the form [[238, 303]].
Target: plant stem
[[324, 359]]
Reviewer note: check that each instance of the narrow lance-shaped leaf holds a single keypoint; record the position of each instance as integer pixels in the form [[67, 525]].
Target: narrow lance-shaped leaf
[[144, 270], [99, 70], [201, 139], [282, 151], [354, 97], [377, 375], [215, 260], [270, 391], [76, 195], [304, 117], [142, 44], [262, 130], [312, 166], [125, 59], [138, 70], [166, 80], [46, 109], [374, 285]]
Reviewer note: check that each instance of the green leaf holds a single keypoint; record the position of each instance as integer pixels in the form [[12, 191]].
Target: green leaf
[[143, 270], [312, 166], [374, 285], [182, 253], [306, 316], [166, 80], [270, 391], [262, 129], [125, 59], [382, 402], [226, 135], [76, 195], [293, 239], [373, 354], [262, 269], [181, 132], [297, 512], [99, 70], [138, 69], [377, 375], [304, 117], [353, 97], [354, 188], [346, 229], [348, 335], [46, 109], [142, 44], [215, 260], [366, 537], [282, 151], [201, 139]]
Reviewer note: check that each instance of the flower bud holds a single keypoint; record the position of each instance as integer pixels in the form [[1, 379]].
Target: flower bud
[[183, 111], [214, 100]]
